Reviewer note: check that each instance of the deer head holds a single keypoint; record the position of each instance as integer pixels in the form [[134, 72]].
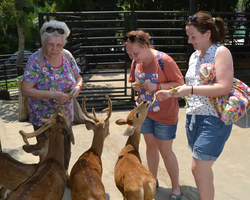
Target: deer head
[[57, 118], [98, 126], [135, 118]]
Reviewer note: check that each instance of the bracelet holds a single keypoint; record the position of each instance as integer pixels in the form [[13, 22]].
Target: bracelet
[[158, 86], [79, 86], [192, 89]]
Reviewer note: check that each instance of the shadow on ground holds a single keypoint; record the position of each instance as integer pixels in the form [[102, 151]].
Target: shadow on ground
[[189, 193], [9, 110], [244, 122], [14, 153]]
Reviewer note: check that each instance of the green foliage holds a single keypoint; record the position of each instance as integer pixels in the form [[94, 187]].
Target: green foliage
[[217, 6], [86, 5], [154, 5], [10, 12]]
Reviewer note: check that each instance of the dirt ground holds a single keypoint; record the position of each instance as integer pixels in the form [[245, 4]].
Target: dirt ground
[[231, 171]]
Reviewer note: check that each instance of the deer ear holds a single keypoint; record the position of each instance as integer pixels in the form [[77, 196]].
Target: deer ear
[[129, 131], [121, 122], [28, 148], [89, 125]]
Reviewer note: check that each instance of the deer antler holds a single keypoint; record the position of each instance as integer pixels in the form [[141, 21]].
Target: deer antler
[[94, 117], [37, 132], [109, 109]]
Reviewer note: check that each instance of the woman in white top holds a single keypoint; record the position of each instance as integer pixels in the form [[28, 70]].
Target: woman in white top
[[206, 132]]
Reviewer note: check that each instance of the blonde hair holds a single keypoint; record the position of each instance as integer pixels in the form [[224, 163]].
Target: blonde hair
[[55, 24]]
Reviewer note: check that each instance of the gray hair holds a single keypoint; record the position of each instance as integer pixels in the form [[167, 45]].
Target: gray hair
[[55, 24]]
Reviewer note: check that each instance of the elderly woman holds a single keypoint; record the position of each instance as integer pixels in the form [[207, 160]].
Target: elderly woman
[[51, 78]]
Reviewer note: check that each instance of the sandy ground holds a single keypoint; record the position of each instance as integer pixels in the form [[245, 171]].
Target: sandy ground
[[231, 171]]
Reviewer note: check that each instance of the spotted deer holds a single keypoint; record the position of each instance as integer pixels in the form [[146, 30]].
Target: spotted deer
[[49, 181], [132, 178], [86, 174], [13, 172]]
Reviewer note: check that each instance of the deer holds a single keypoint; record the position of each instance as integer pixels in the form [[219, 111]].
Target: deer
[[85, 176], [49, 181], [132, 178], [13, 172]]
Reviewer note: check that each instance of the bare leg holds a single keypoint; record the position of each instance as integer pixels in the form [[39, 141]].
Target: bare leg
[[171, 163], [203, 175], [152, 153]]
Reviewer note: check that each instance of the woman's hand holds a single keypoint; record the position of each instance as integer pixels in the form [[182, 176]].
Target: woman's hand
[[162, 95], [148, 86], [75, 92], [182, 91], [137, 86], [61, 97]]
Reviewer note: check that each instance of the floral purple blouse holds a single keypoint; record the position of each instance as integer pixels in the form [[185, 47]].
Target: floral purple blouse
[[51, 79]]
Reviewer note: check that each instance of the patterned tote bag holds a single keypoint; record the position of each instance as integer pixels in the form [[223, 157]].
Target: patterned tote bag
[[230, 108]]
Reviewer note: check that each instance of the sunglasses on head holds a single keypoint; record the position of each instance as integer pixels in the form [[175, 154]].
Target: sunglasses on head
[[192, 18], [131, 38], [51, 30]]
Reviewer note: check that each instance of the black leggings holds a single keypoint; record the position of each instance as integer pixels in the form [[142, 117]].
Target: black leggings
[[67, 147]]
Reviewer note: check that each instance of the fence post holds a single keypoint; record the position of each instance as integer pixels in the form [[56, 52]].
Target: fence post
[[6, 79], [190, 48], [40, 20], [133, 21], [192, 6], [133, 26]]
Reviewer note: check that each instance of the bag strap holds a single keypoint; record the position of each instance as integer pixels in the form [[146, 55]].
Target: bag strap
[[41, 58], [160, 61], [159, 58]]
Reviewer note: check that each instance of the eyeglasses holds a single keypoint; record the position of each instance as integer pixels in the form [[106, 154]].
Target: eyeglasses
[[51, 30], [131, 38], [192, 18]]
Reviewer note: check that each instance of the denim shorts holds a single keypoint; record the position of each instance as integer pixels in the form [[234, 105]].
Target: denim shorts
[[208, 137], [160, 131]]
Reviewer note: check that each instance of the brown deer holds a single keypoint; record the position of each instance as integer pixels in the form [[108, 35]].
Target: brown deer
[[85, 176], [132, 178], [13, 173], [49, 180]]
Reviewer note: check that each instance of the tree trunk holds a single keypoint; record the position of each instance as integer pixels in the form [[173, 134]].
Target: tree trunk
[[21, 39], [23, 114]]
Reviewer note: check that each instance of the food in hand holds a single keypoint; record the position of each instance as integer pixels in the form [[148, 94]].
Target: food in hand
[[71, 93], [173, 89], [141, 82], [187, 104], [154, 98]]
